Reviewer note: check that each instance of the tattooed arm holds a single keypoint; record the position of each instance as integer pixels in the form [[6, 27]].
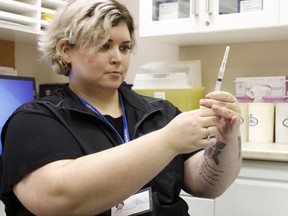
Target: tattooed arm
[[211, 171], [214, 171]]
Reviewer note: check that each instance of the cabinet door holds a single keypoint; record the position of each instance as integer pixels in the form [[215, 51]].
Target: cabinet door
[[200, 206], [225, 204], [283, 12], [210, 21], [260, 197], [170, 17], [240, 14], [261, 189]]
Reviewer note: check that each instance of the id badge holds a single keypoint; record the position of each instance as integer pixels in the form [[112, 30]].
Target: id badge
[[137, 204]]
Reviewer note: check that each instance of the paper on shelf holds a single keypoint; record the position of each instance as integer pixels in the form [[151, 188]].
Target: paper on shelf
[[8, 71]]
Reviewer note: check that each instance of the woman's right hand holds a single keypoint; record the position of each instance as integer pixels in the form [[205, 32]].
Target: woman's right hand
[[187, 132]]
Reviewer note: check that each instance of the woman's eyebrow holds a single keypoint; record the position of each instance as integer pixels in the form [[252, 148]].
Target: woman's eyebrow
[[124, 42], [127, 42]]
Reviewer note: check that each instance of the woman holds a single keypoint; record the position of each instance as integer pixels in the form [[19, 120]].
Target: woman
[[95, 143]]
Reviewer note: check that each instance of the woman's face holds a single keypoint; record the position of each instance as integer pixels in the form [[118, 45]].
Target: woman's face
[[104, 69]]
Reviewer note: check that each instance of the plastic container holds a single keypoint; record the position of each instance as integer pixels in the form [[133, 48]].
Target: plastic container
[[178, 82]]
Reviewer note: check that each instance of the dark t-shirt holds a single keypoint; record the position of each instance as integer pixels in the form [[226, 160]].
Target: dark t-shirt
[[47, 133]]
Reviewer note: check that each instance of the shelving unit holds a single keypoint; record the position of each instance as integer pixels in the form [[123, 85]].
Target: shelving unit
[[21, 15], [212, 22], [17, 7], [20, 21], [48, 7]]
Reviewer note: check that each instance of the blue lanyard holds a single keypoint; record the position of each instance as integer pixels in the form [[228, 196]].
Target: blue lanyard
[[124, 119]]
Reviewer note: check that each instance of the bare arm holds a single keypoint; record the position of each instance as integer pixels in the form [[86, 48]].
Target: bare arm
[[211, 171], [93, 183]]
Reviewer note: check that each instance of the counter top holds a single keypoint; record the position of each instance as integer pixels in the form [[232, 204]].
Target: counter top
[[265, 151]]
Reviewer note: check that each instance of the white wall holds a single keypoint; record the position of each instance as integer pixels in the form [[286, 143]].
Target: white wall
[[245, 60]]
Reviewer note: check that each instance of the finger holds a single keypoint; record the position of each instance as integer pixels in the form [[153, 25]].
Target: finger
[[209, 132], [206, 143], [221, 96], [205, 112], [210, 121], [224, 112], [223, 99], [235, 121], [213, 131], [208, 103]]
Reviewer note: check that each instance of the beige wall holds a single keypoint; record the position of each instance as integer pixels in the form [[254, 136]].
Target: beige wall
[[245, 59], [28, 64]]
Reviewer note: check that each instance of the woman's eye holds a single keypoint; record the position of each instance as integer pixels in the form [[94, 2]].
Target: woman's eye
[[105, 46], [125, 48]]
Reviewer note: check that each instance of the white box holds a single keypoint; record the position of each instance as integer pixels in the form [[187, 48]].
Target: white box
[[261, 122], [277, 84], [172, 9], [281, 123], [172, 75], [168, 11], [251, 5]]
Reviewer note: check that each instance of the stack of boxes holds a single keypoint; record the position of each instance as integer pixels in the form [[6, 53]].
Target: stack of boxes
[[264, 108]]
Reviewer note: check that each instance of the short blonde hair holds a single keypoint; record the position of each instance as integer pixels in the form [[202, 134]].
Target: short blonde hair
[[86, 24]]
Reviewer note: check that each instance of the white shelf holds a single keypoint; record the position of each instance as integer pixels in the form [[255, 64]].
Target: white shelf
[[235, 36], [52, 4], [17, 7], [6, 25], [44, 24], [47, 10], [18, 33], [18, 19]]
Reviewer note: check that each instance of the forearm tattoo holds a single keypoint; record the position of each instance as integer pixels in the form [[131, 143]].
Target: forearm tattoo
[[209, 172], [240, 147], [214, 151]]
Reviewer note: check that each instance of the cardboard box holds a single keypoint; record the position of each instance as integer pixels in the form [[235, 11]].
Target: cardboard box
[[277, 84]]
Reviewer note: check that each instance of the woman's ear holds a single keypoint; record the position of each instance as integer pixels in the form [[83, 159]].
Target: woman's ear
[[66, 52]]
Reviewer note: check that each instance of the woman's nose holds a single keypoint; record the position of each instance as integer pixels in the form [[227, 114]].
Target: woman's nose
[[116, 56]]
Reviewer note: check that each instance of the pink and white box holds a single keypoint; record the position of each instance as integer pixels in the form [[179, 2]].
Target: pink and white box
[[276, 85]]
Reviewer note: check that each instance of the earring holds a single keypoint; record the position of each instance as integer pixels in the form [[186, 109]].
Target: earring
[[61, 67]]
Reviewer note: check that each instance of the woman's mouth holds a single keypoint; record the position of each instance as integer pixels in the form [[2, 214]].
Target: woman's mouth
[[115, 73]]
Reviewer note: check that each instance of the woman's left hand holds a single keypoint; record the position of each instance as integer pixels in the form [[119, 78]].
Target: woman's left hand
[[226, 106]]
